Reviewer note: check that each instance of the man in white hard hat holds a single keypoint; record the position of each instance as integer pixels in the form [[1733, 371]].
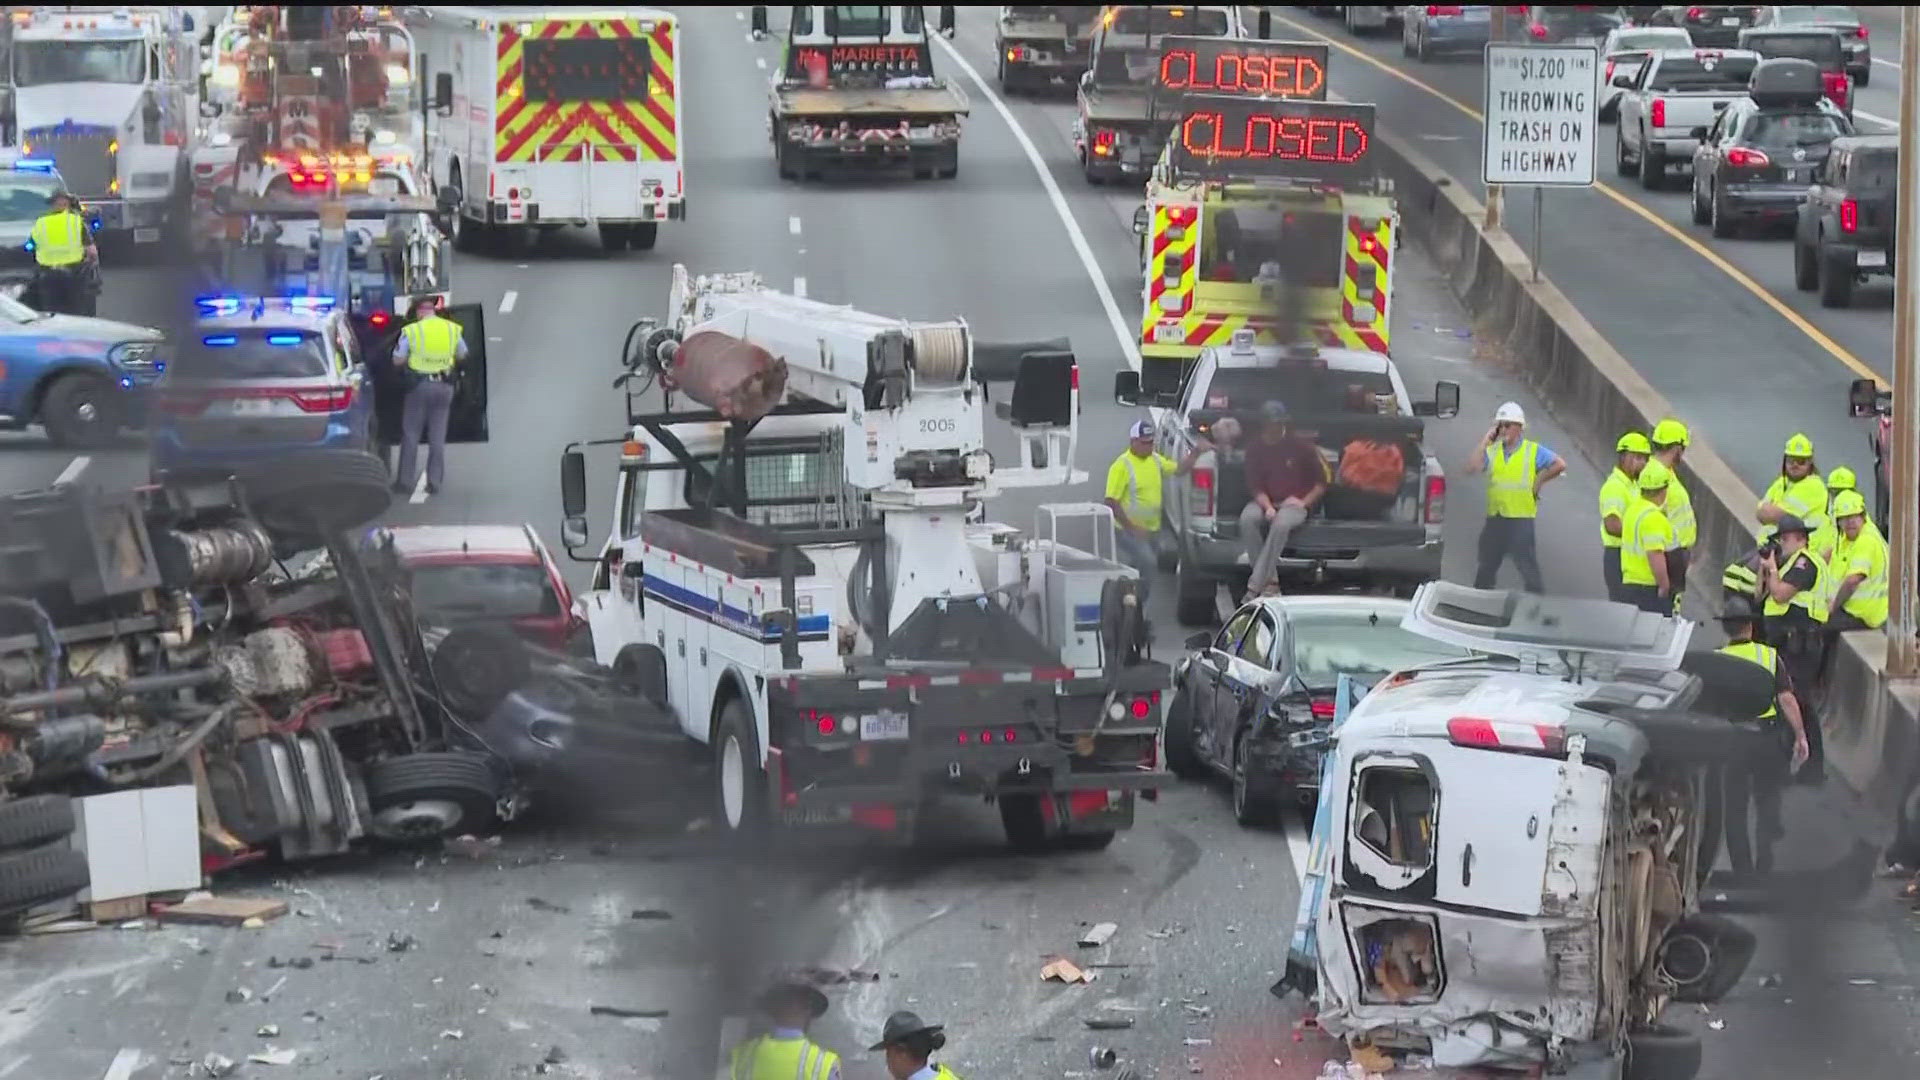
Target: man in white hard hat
[[1517, 468]]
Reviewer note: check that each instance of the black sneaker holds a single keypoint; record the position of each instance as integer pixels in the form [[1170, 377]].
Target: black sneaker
[[433, 489], [400, 490]]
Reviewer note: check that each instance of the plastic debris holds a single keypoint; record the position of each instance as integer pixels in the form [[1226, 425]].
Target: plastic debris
[[274, 1057], [453, 1033], [399, 942], [218, 1065], [549, 906], [268, 1031], [1098, 935], [239, 995], [1717, 1024]]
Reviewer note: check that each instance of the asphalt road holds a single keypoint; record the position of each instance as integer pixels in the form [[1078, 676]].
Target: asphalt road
[[956, 929], [1715, 325]]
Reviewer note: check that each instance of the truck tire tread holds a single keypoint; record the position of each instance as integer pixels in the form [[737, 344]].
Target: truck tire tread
[[40, 874], [35, 819], [468, 780]]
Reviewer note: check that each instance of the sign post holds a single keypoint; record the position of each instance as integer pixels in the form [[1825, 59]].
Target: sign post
[[1542, 120]]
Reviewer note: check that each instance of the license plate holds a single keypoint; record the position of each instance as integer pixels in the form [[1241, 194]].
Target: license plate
[[1314, 737], [1730, 21], [825, 815], [146, 236], [1582, 39], [886, 724], [251, 407], [1796, 176], [1873, 258]]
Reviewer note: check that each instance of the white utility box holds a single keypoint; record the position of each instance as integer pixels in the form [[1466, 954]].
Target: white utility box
[[139, 842]]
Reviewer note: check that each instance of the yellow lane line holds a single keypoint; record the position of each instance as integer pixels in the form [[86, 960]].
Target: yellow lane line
[[1818, 336]]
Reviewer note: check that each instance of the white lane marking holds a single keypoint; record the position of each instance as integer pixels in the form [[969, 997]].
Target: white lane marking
[[1299, 833], [124, 1062], [507, 302], [760, 62], [71, 473], [1121, 331], [800, 287], [733, 1030], [793, 225], [419, 485], [1889, 63], [1862, 114]]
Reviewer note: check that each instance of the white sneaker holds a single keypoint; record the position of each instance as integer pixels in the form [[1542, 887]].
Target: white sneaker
[[1242, 560]]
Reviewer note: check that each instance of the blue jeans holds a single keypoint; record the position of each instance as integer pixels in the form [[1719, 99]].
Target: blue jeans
[[1137, 551]]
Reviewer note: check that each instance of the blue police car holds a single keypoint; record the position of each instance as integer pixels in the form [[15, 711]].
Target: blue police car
[[261, 378]]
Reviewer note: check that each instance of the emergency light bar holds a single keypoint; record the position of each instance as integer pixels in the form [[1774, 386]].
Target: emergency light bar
[[233, 305], [39, 165]]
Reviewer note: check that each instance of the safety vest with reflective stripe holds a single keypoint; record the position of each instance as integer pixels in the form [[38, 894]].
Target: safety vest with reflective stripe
[[1510, 480], [1645, 523], [1759, 654], [1679, 511], [431, 344], [1805, 499], [1616, 494], [1813, 601], [59, 239], [1145, 478], [768, 1058], [1824, 542], [1867, 554]]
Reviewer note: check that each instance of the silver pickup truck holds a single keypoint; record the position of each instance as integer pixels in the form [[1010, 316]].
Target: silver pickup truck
[[1338, 397], [1675, 92]]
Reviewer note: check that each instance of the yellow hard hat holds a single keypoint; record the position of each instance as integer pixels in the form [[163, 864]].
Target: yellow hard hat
[[1633, 443], [1670, 432], [1848, 504], [1842, 479], [1655, 477], [1799, 446]]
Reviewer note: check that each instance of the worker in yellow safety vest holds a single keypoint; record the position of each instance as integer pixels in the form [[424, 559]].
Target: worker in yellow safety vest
[[428, 349], [1859, 569], [1750, 795], [908, 1042], [786, 1053], [1798, 490], [1839, 480], [1616, 494], [1645, 579], [1670, 439], [64, 257], [1517, 468], [1794, 590], [1134, 491]]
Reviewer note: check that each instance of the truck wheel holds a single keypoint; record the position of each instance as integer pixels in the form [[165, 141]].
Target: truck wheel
[[314, 495], [477, 666], [613, 238], [1836, 282], [1182, 756], [425, 796], [35, 819], [739, 779], [1193, 598], [950, 165], [1622, 164], [1806, 272], [1653, 165], [642, 236], [1250, 810], [1659, 1052], [641, 670], [41, 874], [1863, 77], [1025, 822], [81, 411], [1701, 214]]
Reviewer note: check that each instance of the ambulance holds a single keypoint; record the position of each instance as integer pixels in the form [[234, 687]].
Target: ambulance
[[554, 117]]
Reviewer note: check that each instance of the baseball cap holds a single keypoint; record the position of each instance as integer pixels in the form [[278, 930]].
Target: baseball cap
[[1274, 410], [1141, 429]]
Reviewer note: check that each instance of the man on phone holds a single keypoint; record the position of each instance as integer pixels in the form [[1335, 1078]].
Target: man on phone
[[1517, 468]]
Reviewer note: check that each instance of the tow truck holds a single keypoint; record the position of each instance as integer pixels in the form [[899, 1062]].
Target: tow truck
[[112, 97], [792, 572], [1119, 125], [1289, 237], [1036, 45], [857, 89]]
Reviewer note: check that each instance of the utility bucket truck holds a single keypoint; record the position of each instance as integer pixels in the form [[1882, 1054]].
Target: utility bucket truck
[[793, 572]]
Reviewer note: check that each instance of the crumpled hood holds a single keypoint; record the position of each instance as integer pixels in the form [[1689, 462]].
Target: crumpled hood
[[104, 104]]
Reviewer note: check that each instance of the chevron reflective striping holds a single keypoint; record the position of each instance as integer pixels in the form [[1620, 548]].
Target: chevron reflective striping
[[1167, 246], [609, 130]]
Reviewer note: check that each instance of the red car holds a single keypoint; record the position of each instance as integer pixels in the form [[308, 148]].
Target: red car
[[503, 574]]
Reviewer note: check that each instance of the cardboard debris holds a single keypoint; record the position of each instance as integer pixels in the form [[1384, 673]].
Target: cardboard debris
[[1098, 934], [1372, 1059], [1059, 969], [223, 911]]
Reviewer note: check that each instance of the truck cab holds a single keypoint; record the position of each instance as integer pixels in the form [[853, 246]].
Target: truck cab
[[1038, 45], [1116, 132]]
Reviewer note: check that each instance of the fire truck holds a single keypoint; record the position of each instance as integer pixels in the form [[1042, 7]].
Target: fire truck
[[1265, 215], [555, 117], [111, 96]]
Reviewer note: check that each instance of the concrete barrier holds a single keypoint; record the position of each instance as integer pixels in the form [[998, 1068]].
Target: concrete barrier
[[1873, 741]]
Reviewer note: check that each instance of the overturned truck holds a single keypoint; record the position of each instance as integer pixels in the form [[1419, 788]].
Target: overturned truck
[[154, 636]]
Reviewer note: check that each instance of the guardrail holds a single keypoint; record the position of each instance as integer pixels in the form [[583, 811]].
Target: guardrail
[[1872, 726]]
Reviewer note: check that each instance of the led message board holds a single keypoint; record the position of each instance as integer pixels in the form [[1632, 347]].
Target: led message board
[[1237, 66], [1273, 137]]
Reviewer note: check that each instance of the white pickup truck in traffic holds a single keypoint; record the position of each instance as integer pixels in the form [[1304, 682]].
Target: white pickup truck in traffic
[[1675, 92]]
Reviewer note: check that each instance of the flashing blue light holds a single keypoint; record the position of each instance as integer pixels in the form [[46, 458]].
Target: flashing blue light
[[220, 341], [94, 224], [39, 165], [126, 382], [283, 339], [311, 303], [218, 305], [159, 366]]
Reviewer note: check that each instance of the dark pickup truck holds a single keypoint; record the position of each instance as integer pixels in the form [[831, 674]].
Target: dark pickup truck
[[1844, 233], [1037, 47]]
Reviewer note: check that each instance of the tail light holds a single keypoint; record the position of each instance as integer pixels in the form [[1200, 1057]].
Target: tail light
[[1436, 10], [1538, 31], [1657, 116], [1860, 32], [1607, 79], [1180, 215], [1696, 14], [1436, 499], [1837, 85], [322, 399], [1512, 736], [379, 318], [1322, 710], [1103, 143], [777, 765], [1203, 491], [1849, 216], [1741, 157]]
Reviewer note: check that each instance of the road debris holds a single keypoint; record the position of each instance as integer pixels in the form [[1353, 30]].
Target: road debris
[[548, 906], [471, 846], [1107, 1023], [1717, 1024], [223, 911], [1200, 1011], [218, 1065], [274, 1057], [239, 995], [820, 976], [1059, 969], [399, 942], [1103, 1057], [627, 1014], [1098, 934], [453, 1033], [1372, 1059], [268, 1031], [1199, 1042], [651, 915]]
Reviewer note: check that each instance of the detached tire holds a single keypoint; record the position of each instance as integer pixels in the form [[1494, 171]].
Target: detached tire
[[1182, 757], [41, 874], [427, 796], [1660, 1052], [477, 666], [35, 819], [81, 412], [311, 496], [1025, 822]]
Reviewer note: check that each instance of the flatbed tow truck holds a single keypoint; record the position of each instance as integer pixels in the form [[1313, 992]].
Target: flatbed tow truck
[[1120, 122], [857, 90], [1037, 46], [791, 571]]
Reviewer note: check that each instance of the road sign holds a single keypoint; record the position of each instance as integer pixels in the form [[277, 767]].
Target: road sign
[[1542, 121]]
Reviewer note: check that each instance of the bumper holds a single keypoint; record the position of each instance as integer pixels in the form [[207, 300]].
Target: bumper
[[172, 454], [1676, 149], [1868, 262], [1065, 70], [1075, 803], [1411, 563], [865, 151], [1443, 38], [1282, 770], [1764, 200], [1859, 58]]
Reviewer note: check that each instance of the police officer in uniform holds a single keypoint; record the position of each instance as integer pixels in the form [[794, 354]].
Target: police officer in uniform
[[1517, 468], [63, 253], [1794, 602], [428, 348], [1616, 495], [1645, 579], [1670, 441], [1751, 795], [1798, 491], [785, 1053], [909, 1041]]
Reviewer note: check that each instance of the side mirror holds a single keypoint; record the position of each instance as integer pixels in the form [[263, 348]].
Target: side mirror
[[757, 21], [1624, 82], [573, 485], [1200, 640], [1126, 387], [573, 533], [1141, 218], [1446, 399], [946, 20], [1264, 25], [443, 93], [1697, 133], [1863, 397]]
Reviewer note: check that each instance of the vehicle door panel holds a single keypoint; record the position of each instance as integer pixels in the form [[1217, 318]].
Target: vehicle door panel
[[1208, 667], [1243, 682], [1501, 844]]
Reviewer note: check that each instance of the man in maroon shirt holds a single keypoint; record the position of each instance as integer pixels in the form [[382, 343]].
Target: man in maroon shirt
[[1285, 480]]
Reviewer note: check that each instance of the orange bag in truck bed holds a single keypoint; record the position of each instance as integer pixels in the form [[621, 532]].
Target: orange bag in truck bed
[[1372, 466]]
